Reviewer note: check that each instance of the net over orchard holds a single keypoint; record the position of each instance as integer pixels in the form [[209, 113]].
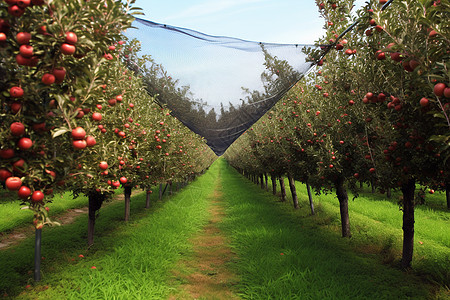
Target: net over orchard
[[216, 86]]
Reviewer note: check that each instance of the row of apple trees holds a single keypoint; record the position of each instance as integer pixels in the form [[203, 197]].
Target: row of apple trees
[[73, 116], [375, 109]]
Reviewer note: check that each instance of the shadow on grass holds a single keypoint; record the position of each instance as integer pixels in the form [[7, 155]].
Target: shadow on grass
[[281, 256]]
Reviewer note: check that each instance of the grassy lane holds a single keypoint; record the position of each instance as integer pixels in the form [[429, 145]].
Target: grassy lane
[[283, 255], [127, 260]]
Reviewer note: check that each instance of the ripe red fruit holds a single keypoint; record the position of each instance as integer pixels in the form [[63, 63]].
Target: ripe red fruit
[[37, 196], [356, 175], [25, 143], [24, 192], [90, 141], [97, 116], [413, 64], [447, 92], [59, 74], [372, 22], [2, 37], [349, 52], [339, 46], [119, 98], [78, 133], [383, 1], [112, 102], [15, 10], [23, 3], [71, 38], [79, 144], [378, 28], [16, 92], [439, 89], [396, 56], [68, 49], [372, 170], [13, 183], [381, 56], [4, 174], [116, 184], [23, 61], [15, 107], [7, 153], [23, 38], [103, 165], [17, 128], [48, 79], [424, 102], [26, 51], [18, 165], [123, 180]]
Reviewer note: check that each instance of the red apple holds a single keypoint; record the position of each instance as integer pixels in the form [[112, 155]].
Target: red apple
[[424, 102], [37, 196], [24, 192], [123, 180], [97, 116], [17, 128], [16, 92], [90, 141], [13, 183], [103, 165], [68, 49], [447, 92], [71, 38], [23, 3], [7, 153], [59, 74], [78, 133], [26, 51], [79, 144], [23, 38], [15, 10], [4, 174], [48, 79], [25, 143], [439, 89]]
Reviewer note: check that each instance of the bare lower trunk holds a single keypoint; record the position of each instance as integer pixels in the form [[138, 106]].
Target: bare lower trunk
[[311, 203], [282, 188], [37, 255], [388, 193], [147, 200], [160, 191], [274, 184], [127, 194], [170, 188], [447, 193], [372, 185], [408, 189], [293, 191], [266, 181], [261, 177], [341, 193], [95, 202]]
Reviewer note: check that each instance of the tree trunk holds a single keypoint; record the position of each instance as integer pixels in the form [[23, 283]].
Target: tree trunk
[[282, 188], [293, 190], [257, 179], [266, 181], [388, 193], [274, 184], [160, 191], [447, 193], [342, 196], [170, 188], [147, 200], [311, 203], [372, 185], [261, 177], [127, 193], [408, 189], [95, 202], [37, 255]]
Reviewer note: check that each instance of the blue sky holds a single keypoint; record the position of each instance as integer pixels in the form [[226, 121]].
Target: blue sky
[[277, 21]]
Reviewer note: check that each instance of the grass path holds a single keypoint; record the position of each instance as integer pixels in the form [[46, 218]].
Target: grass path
[[205, 274]]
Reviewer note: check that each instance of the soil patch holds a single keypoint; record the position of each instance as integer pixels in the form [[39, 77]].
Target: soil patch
[[205, 275]]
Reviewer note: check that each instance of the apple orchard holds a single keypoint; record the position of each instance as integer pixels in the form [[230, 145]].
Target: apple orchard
[[75, 117]]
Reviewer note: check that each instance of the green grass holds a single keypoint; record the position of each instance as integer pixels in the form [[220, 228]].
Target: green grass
[[15, 216], [287, 254], [131, 260]]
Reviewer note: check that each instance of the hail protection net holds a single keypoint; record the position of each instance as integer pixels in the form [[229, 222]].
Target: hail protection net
[[217, 86]]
